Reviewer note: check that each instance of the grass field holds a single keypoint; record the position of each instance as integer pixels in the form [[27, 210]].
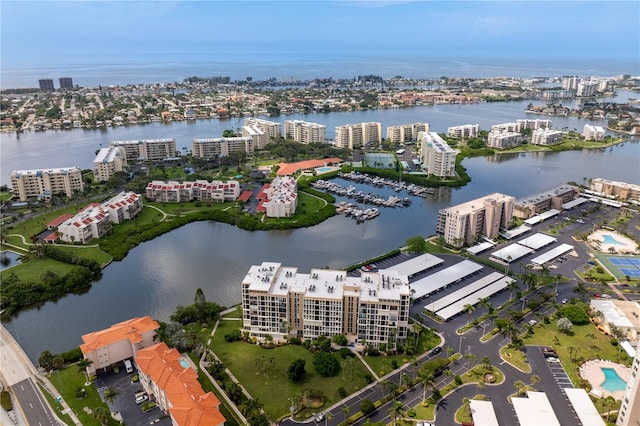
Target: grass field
[[93, 253], [33, 269], [384, 364]]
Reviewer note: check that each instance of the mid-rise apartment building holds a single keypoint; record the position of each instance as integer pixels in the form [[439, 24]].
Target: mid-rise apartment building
[[354, 136], [272, 129], [629, 413], [586, 88], [622, 190], [593, 133], [404, 133], [533, 124], [541, 202], [147, 149], [66, 83], [465, 223], [464, 132], [200, 190], [107, 163], [171, 379], [571, 83], [370, 309], [259, 139], [119, 342], [437, 157], [124, 206], [503, 140], [280, 197], [305, 132], [43, 184], [46, 84], [221, 147], [504, 128], [89, 223], [546, 137]]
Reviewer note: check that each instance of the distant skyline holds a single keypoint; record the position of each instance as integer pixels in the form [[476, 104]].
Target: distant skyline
[[54, 35]]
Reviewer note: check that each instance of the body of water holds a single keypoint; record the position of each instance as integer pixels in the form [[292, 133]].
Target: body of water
[[163, 273]]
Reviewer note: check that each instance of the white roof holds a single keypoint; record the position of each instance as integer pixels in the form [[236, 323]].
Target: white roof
[[479, 248], [573, 203], [583, 406], [611, 313], [443, 278], [512, 233], [552, 254], [628, 348], [482, 413], [417, 264], [537, 241], [548, 214], [463, 292], [535, 410], [512, 252], [533, 220], [472, 299]]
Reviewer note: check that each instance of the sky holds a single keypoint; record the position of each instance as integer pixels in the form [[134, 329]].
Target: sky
[[52, 33]]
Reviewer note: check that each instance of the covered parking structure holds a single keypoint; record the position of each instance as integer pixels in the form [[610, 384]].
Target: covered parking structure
[[473, 299], [583, 407], [515, 232], [574, 203], [471, 288], [511, 253], [444, 278], [537, 241], [418, 264], [542, 217], [479, 248], [482, 413], [552, 254]]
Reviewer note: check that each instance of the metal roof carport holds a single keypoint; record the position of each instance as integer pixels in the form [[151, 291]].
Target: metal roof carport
[[536, 410], [442, 279], [463, 292], [479, 248], [416, 265], [482, 413], [583, 406], [473, 299], [511, 252], [573, 203], [552, 254], [537, 241]]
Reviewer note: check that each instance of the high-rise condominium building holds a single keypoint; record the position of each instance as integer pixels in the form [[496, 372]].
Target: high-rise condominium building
[[465, 223], [354, 136], [272, 129], [147, 149], [437, 157], [593, 133], [46, 84], [629, 414], [370, 309], [406, 132], [66, 83], [546, 137], [221, 147], [586, 88], [463, 132], [45, 183], [622, 190], [305, 132], [541, 202], [107, 163]]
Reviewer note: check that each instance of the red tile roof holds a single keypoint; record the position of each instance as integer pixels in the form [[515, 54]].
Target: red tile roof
[[245, 196], [286, 169], [58, 221], [131, 329]]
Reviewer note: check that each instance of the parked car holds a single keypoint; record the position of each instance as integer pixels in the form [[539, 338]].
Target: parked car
[[549, 352], [436, 350], [564, 301], [141, 397], [552, 359], [532, 322]]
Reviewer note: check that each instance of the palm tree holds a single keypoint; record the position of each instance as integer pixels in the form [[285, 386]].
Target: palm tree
[[534, 379], [470, 357], [486, 303], [396, 410], [427, 380], [346, 410], [250, 406], [520, 387], [581, 290], [469, 308], [110, 396], [513, 286], [82, 365], [102, 415], [529, 279]]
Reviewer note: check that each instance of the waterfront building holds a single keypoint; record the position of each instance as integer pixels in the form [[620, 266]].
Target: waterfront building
[[121, 341], [406, 132], [603, 86], [571, 83], [89, 223], [124, 206], [281, 302], [272, 129], [200, 190], [279, 198], [505, 127], [464, 132], [66, 83], [546, 137], [46, 84], [503, 140], [622, 315], [553, 198], [465, 223], [107, 163], [629, 412], [305, 132], [259, 139], [221, 147], [532, 124], [437, 157], [146, 149], [172, 380], [586, 88], [43, 184], [622, 190], [593, 133], [354, 136]]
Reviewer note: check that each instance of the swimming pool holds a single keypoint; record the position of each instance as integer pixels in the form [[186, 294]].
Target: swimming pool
[[9, 259], [324, 169], [612, 382], [608, 239]]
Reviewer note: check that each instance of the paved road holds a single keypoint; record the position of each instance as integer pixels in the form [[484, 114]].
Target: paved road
[[33, 405]]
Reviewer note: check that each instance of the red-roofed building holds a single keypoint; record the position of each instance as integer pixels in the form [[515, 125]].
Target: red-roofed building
[[171, 379], [201, 190], [119, 342], [288, 169], [91, 222], [245, 196], [53, 225]]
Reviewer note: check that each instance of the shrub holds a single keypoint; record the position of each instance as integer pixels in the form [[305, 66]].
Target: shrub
[[458, 380], [5, 400], [346, 353], [295, 341], [233, 336], [340, 340], [296, 370], [575, 314], [326, 364], [342, 392], [367, 407]]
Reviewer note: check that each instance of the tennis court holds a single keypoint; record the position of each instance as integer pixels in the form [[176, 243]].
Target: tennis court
[[621, 267], [625, 261]]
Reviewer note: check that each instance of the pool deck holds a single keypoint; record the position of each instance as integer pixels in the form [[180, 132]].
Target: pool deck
[[592, 371], [618, 242]]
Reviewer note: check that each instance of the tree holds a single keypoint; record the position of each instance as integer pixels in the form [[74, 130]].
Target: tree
[[102, 415], [469, 308], [46, 360], [427, 379], [109, 396], [513, 286], [340, 340], [326, 364], [296, 370], [396, 410], [82, 365], [416, 244], [581, 290], [250, 406], [367, 407]]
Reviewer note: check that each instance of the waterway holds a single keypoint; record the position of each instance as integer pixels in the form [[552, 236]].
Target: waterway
[[163, 273]]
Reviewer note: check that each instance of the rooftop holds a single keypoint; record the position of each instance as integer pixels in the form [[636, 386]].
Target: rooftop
[[131, 329]]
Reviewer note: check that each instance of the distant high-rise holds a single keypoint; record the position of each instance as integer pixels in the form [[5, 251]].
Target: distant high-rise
[[46, 84], [66, 83]]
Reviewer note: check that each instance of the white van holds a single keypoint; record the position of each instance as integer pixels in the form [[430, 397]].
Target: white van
[[128, 366]]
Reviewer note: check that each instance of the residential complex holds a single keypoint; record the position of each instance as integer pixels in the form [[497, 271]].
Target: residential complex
[[503, 140], [66, 83], [259, 139], [171, 379], [437, 157], [43, 184], [629, 413], [305, 132], [124, 206], [279, 198], [119, 342], [147, 149], [551, 199], [107, 163], [586, 88], [221, 147], [521, 125], [622, 190], [593, 133], [464, 132], [200, 190], [546, 137], [406, 132], [370, 309], [465, 223], [272, 129], [46, 84], [354, 136]]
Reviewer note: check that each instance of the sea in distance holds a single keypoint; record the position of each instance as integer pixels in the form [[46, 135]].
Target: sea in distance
[[163, 273]]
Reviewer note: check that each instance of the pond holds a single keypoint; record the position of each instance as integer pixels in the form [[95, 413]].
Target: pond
[[9, 259]]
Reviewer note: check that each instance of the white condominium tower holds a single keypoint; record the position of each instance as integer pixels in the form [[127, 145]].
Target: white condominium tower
[[147, 150], [353, 136], [221, 147], [406, 132], [437, 157], [305, 132], [280, 301], [108, 161], [45, 183], [629, 414], [272, 129], [463, 132]]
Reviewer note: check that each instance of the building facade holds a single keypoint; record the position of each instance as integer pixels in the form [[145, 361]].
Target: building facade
[[221, 147], [66, 83], [629, 413], [107, 163], [305, 132], [586, 88], [437, 157], [503, 140], [354, 136], [280, 302], [46, 84], [200, 190], [406, 132], [541, 202], [280, 197], [464, 132], [622, 190], [147, 149], [43, 184], [122, 207], [546, 137], [259, 139], [465, 223], [593, 133], [272, 129]]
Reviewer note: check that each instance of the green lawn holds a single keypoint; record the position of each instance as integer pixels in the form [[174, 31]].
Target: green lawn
[[93, 253], [57, 407], [384, 364], [270, 385], [516, 358], [178, 209], [33, 269]]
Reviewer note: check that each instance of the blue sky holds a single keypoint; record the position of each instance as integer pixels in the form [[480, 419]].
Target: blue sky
[[43, 33]]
